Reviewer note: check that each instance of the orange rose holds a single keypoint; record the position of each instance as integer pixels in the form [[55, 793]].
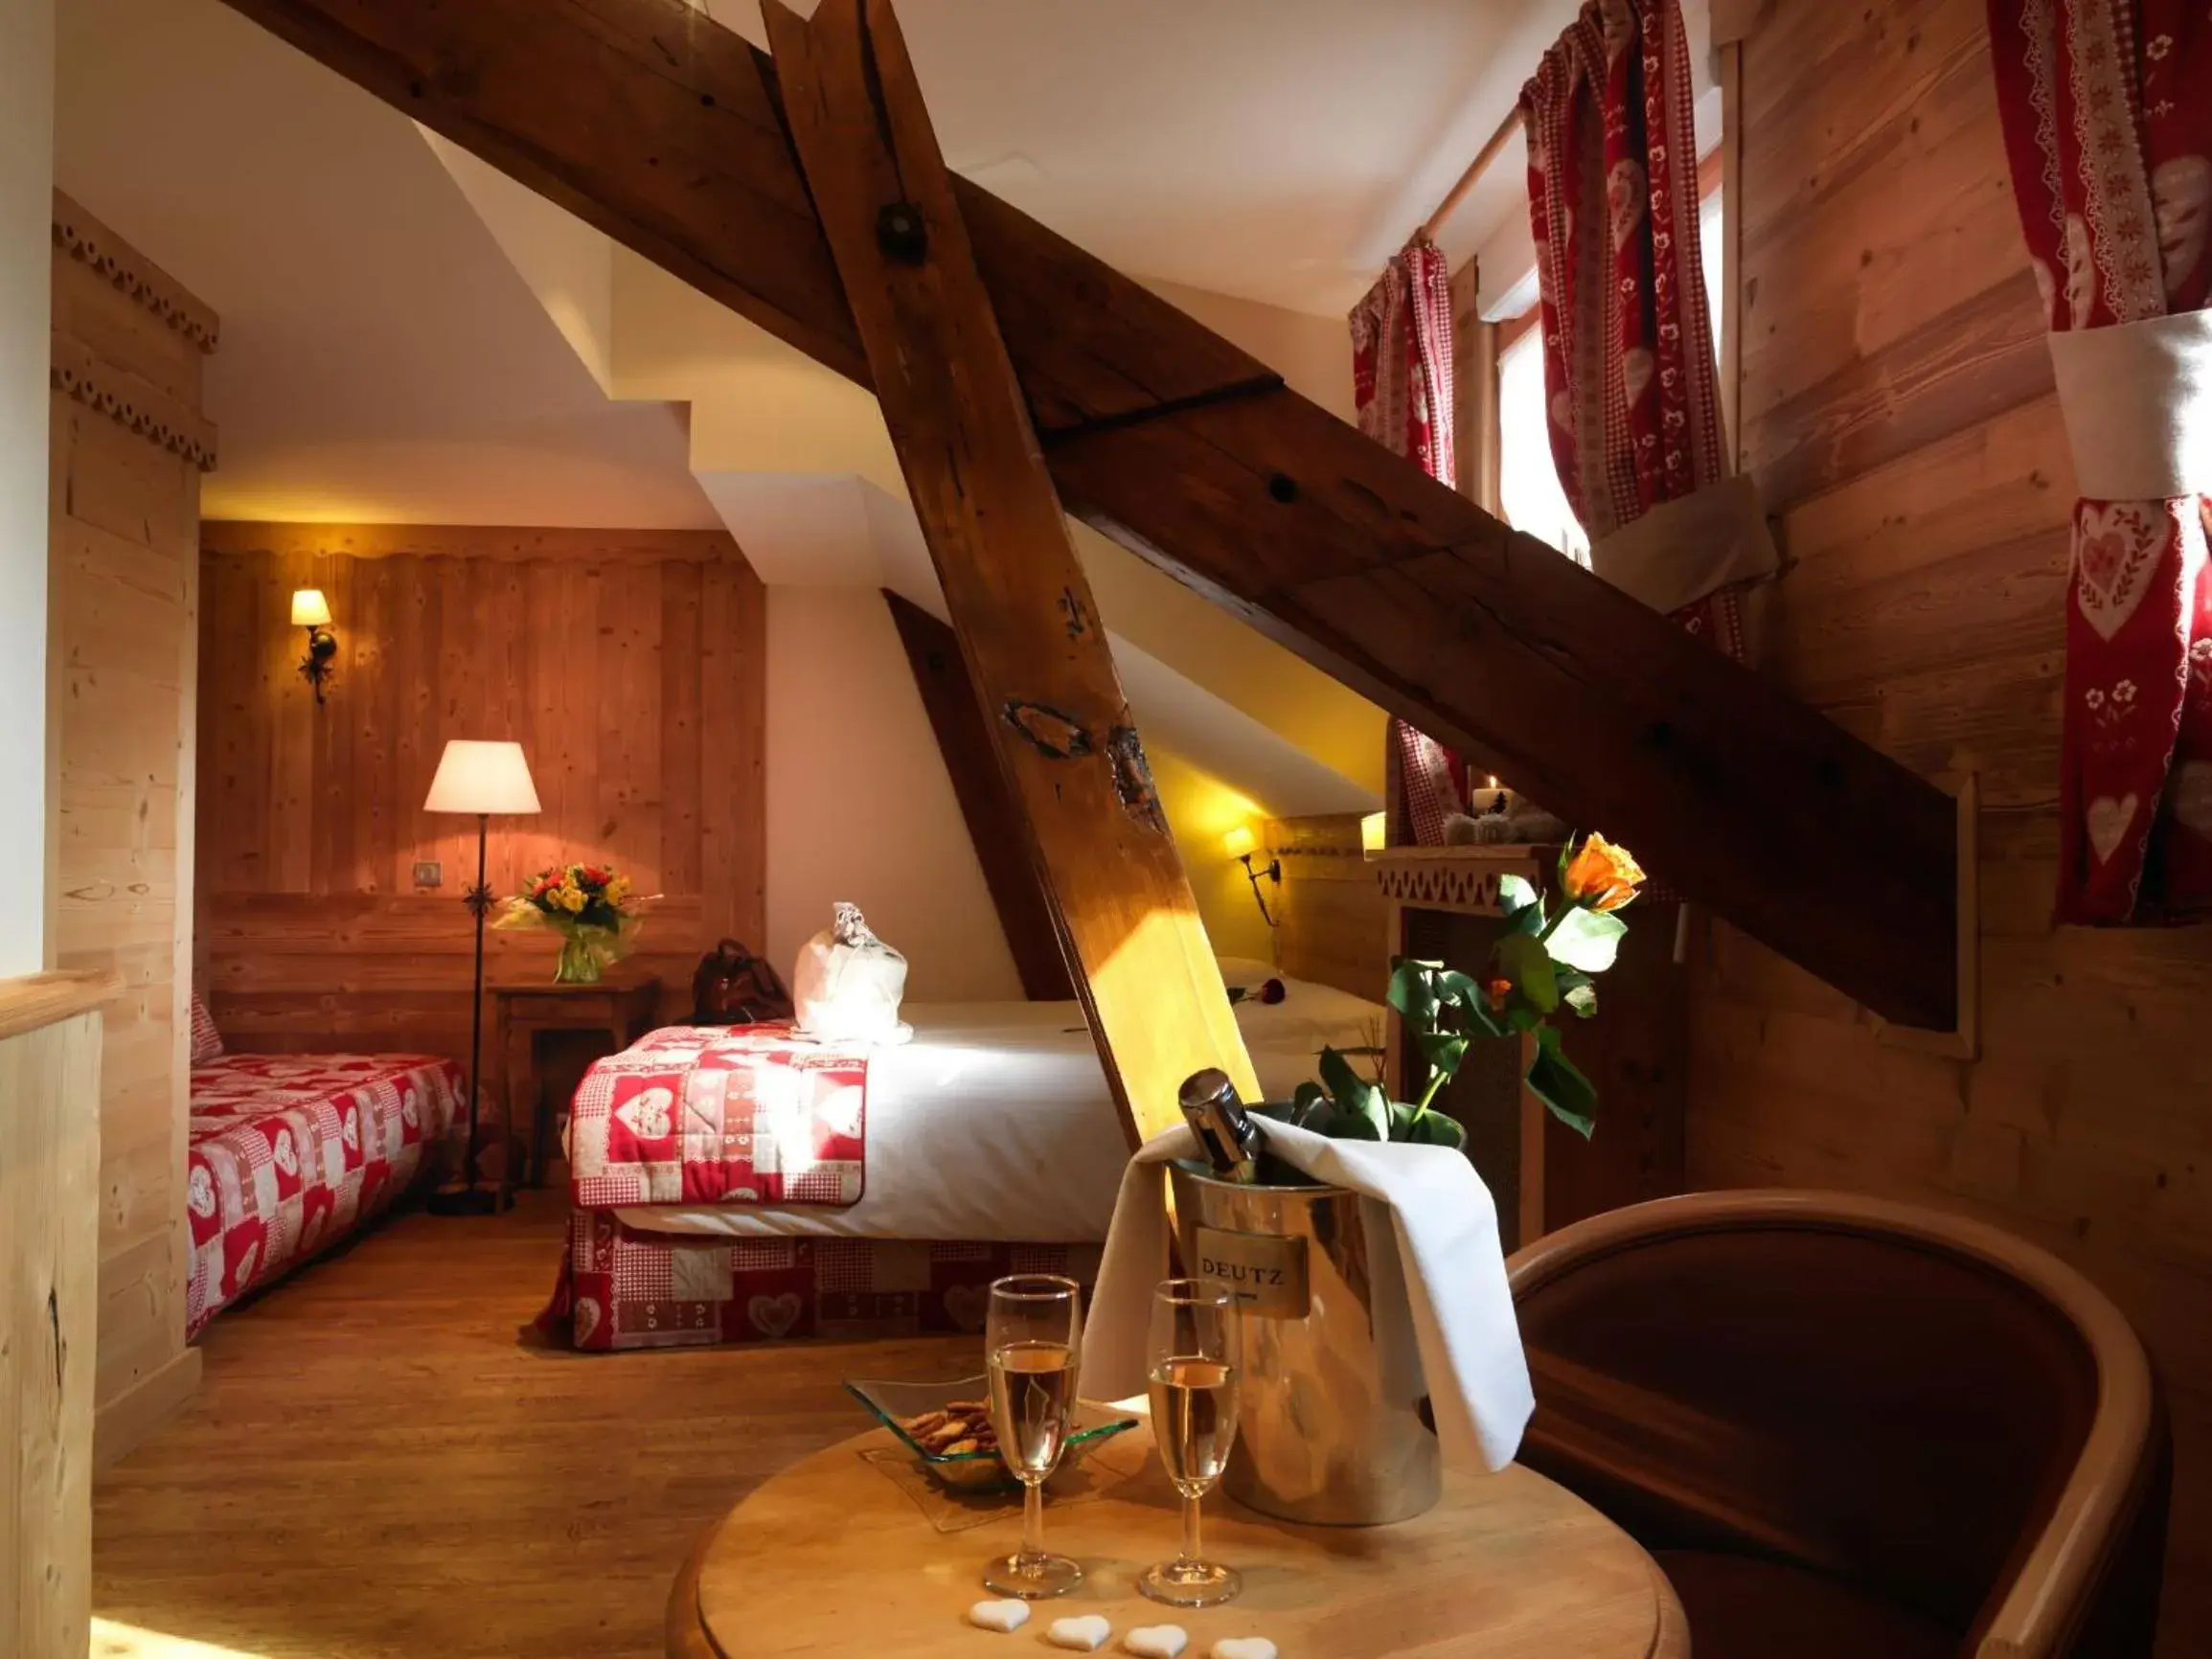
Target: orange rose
[[1601, 875], [1500, 990]]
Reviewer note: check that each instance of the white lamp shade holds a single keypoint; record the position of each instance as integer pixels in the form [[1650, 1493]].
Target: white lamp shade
[[1372, 832], [1240, 841], [481, 777], [309, 608]]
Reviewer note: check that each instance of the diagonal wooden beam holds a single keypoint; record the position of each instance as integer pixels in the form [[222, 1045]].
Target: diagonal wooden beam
[[664, 130], [1021, 605], [1003, 846]]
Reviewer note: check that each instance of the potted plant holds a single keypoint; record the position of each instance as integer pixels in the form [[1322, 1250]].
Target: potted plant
[[1546, 961]]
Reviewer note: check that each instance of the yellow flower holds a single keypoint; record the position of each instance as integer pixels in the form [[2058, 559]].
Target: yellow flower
[[617, 891], [572, 899], [1601, 875]]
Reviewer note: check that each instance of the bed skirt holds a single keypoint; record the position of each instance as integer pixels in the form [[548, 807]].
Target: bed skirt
[[623, 1287]]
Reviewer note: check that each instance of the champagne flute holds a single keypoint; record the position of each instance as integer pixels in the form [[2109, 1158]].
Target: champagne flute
[[1194, 1362], [1033, 1332]]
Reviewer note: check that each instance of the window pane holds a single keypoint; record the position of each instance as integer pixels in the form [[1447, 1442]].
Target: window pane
[[1528, 481]]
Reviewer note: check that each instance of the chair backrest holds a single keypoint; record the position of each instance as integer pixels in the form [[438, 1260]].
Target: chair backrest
[[1929, 1409]]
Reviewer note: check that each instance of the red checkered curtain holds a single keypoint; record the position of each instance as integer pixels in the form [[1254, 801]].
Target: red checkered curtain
[[2107, 108], [1627, 340], [1402, 384]]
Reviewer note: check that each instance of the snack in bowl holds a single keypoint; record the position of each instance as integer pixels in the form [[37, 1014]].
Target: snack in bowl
[[948, 1425]]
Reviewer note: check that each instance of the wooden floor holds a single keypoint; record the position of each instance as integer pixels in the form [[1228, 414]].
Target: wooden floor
[[376, 1467]]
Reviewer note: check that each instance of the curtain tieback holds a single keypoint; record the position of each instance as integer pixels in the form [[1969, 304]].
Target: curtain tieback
[[1682, 550], [2137, 402]]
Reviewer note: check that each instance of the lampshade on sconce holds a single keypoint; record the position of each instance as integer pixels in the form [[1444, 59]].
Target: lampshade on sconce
[[483, 777], [1372, 836], [312, 611], [1241, 844]]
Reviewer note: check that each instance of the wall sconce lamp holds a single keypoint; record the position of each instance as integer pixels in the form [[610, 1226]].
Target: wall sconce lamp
[[313, 612], [1374, 832], [1241, 845]]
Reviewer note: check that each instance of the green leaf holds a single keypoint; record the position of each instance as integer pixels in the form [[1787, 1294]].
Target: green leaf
[[1356, 1098], [1582, 999], [1434, 1129], [1517, 902], [1528, 965], [1554, 1079], [1443, 1050], [1586, 939], [1413, 989]]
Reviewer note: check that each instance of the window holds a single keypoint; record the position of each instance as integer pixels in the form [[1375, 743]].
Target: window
[[1528, 480]]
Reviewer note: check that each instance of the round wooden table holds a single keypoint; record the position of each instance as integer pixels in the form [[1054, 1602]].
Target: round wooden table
[[832, 1557]]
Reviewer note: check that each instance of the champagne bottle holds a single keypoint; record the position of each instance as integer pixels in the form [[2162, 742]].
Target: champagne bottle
[[1226, 1133]]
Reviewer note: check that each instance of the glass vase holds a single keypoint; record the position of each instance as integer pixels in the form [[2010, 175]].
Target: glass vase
[[580, 961]]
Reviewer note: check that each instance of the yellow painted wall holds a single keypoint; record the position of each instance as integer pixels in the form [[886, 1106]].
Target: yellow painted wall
[[1201, 809]]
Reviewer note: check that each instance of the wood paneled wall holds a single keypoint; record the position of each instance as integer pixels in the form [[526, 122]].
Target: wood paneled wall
[[1897, 412], [1334, 926], [127, 446], [630, 664]]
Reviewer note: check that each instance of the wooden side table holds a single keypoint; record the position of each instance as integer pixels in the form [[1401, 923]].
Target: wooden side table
[[830, 1558], [624, 1007]]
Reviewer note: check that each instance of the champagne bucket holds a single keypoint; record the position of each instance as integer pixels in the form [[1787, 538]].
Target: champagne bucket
[[1318, 1439]]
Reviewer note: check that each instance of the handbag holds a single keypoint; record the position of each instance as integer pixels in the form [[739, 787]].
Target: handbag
[[734, 987]]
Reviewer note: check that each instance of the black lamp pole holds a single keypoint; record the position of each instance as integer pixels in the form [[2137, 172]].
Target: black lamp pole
[[469, 1199]]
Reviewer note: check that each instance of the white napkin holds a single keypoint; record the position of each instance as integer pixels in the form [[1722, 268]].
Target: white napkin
[[1444, 1318]]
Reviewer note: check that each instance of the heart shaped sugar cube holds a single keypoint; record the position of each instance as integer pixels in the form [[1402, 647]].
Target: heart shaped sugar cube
[[1156, 1641], [1243, 1648], [1086, 1635], [1001, 1616]]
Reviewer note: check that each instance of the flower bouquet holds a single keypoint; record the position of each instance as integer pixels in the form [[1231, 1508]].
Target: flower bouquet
[[590, 905]]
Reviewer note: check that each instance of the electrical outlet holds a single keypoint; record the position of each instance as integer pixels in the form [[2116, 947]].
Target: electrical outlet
[[429, 873]]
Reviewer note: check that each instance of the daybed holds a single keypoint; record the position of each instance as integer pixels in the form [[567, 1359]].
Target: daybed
[[871, 1192], [290, 1154]]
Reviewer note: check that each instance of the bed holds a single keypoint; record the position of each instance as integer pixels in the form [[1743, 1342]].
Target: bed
[[290, 1153], [992, 1145]]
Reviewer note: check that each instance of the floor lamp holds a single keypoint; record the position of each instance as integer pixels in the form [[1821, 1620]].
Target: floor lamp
[[480, 779]]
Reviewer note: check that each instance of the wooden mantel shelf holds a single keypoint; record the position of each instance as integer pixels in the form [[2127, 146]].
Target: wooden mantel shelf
[[671, 134], [1462, 880]]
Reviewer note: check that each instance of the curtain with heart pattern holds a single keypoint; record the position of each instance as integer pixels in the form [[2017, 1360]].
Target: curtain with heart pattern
[[1401, 385], [2107, 109], [1627, 337]]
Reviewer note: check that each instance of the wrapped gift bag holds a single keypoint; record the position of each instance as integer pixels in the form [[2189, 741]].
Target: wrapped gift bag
[[847, 983]]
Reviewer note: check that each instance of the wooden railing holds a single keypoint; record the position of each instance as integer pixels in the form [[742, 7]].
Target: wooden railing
[[49, 1304]]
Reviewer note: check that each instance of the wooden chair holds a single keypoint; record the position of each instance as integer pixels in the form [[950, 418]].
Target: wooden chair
[[1844, 1426]]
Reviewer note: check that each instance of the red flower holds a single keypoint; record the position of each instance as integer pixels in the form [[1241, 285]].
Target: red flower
[[1271, 991]]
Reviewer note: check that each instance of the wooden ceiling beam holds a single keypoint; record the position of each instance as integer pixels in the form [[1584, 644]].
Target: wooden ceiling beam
[[665, 131]]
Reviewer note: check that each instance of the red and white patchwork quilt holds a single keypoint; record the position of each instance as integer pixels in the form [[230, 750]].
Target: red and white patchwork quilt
[[622, 1287], [721, 1115], [291, 1152]]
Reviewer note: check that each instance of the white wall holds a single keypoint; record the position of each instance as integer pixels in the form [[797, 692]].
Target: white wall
[[859, 803], [26, 314]]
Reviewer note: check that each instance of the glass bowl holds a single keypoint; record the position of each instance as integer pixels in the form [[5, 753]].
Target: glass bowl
[[893, 1403]]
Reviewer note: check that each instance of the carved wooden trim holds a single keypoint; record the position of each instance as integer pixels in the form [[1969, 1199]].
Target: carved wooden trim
[[81, 236], [132, 403], [1457, 879]]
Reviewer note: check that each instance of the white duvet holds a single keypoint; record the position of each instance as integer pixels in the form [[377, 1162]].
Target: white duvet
[[995, 1122]]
